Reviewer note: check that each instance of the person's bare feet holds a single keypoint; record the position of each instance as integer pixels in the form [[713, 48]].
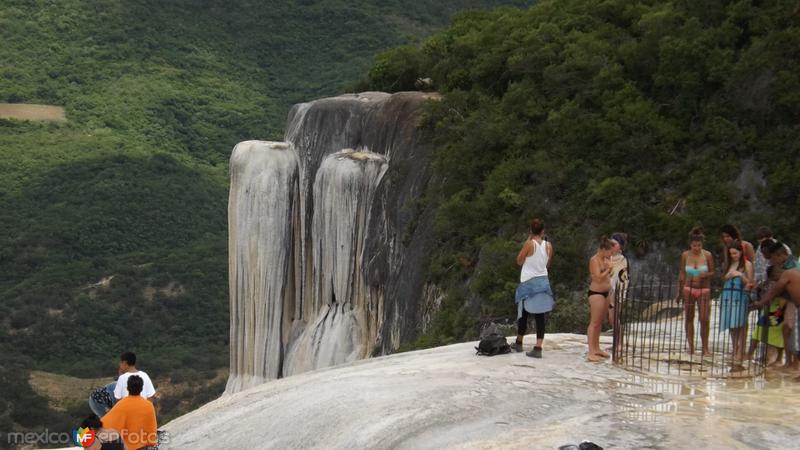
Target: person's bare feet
[[593, 357], [602, 354], [707, 353]]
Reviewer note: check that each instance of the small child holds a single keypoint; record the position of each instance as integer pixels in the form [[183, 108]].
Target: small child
[[772, 324]]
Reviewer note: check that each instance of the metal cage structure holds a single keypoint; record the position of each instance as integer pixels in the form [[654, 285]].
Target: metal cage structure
[[650, 330]]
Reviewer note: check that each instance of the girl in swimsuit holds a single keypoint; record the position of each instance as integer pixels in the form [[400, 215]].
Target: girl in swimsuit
[[729, 234], [600, 269], [696, 271], [734, 300]]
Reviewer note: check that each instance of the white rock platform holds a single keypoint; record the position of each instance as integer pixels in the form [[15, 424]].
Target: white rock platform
[[448, 397]]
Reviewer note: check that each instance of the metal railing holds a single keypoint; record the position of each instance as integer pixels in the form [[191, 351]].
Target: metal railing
[[651, 331]]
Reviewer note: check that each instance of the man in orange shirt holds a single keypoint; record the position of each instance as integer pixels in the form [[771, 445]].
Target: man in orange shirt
[[134, 417]]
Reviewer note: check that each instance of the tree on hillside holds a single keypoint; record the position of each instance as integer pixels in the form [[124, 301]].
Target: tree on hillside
[[602, 116]]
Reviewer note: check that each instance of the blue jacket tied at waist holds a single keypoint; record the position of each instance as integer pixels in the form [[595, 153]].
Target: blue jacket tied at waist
[[535, 296]]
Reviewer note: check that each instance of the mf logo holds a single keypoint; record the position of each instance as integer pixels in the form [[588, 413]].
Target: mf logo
[[83, 437]]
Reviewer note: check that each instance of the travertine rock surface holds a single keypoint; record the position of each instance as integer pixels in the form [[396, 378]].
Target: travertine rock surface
[[328, 236], [449, 398], [261, 226]]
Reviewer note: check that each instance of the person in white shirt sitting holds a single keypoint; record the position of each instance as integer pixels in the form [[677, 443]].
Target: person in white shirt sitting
[[103, 399], [127, 367]]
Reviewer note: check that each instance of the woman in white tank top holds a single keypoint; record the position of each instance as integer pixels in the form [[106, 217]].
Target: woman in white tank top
[[537, 259], [534, 295]]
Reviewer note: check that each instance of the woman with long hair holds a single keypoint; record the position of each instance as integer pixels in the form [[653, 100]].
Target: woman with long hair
[[600, 270], [738, 276], [729, 234], [694, 279], [534, 295]]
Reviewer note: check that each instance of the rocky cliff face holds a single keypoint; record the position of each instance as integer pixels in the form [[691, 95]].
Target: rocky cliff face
[[327, 236]]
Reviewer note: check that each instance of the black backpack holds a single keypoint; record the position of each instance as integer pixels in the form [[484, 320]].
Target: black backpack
[[493, 344]]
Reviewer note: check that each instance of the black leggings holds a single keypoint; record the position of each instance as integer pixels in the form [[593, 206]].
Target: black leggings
[[522, 323]]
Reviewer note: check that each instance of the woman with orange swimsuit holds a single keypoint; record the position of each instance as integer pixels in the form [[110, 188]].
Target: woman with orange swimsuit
[[696, 271]]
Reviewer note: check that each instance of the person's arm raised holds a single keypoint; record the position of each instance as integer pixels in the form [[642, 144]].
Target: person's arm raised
[[597, 271]]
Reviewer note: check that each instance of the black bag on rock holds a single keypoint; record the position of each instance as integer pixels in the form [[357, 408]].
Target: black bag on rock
[[493, 344]]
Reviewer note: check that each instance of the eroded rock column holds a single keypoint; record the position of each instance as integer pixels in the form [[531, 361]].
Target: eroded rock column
[[343, 314], [262, 216]]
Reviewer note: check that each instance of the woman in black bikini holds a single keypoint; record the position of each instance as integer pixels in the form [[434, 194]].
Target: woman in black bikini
[[600, 269]]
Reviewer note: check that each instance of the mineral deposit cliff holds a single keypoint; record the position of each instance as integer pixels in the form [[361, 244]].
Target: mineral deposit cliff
[[327, 237]]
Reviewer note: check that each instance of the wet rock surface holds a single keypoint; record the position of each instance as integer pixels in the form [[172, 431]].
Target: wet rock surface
[[449, 398]]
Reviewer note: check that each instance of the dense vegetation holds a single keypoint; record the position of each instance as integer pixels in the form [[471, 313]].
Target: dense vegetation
[[598, 116], [134, 185]]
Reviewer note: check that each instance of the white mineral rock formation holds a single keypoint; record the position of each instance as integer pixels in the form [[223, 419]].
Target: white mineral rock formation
[[447, 397], [328, 236], [264, 177], [347, 313]]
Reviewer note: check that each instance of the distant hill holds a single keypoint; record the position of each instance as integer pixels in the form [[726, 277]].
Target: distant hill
[[113, 224]]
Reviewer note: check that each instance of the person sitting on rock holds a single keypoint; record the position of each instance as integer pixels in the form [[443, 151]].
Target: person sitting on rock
[[104, 438], [103, 399], [127, 368], [134, 417]]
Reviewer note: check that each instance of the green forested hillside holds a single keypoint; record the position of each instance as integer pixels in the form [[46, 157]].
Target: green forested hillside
[[598, 116], [134, 185]]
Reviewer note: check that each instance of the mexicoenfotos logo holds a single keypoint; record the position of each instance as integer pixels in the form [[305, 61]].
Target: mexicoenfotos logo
[[83, 437]]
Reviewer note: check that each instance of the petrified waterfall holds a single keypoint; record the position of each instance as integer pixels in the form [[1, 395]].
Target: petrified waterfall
[[263, 194], [327, 237]]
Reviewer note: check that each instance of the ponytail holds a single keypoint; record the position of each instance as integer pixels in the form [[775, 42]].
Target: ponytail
[[537, 226]]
